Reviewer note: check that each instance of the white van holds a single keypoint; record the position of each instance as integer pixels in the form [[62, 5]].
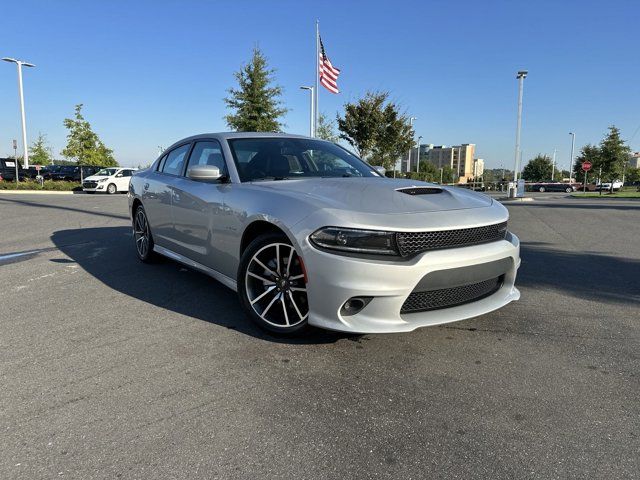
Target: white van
[[110, 180]]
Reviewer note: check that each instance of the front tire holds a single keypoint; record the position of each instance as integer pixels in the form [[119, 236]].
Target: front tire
[[542, 189], [272, 285], [142, 236], [111, 189], [569, 190]]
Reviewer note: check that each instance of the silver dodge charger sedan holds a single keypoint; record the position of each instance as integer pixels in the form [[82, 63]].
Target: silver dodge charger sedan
[[309, 234]]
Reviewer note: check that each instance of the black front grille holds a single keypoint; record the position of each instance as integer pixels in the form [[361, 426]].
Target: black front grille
[[410, 243], [450, 297], [89, 184]]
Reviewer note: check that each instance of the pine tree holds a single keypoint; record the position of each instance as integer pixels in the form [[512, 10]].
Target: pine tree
[[613, 153], [40, 151], [256, 103], [83, 144]]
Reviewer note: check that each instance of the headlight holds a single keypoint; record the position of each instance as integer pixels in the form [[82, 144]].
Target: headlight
[[355, 240], [102, 180]]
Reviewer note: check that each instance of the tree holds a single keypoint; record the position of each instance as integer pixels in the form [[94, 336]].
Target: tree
[[256, 102], [375, 127], [326, 129], [589, 153], [83, 144], [538, 169], [40, 152], [613, 154]]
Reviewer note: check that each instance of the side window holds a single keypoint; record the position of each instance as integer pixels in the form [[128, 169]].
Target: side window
[[161, 163], [208, 153], [175, 160], [126, 173]]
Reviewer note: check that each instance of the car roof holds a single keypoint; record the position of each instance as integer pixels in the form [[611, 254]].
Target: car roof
[[232, 135]]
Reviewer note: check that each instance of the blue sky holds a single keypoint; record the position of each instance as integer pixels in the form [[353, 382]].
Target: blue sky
[[150, 73]]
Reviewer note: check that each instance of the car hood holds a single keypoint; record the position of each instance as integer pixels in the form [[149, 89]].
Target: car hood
[[94, 178], [377, 195]]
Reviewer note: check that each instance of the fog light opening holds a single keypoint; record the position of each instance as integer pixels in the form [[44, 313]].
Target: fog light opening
[[354, 305]]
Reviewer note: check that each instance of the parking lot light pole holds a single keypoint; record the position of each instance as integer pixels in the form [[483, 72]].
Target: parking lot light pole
[[411, 120], [312, 112], [418, 164], [522, 74], [573, 144], [20, 63]]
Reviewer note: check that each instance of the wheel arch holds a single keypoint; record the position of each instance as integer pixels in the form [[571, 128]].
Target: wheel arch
[[259, 227]]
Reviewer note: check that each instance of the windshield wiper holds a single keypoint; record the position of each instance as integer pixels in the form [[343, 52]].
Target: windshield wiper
[[269, 178]]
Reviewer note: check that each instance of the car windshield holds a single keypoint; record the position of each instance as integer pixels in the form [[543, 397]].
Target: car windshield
[[289, 158], [106, 172], [68, 169]]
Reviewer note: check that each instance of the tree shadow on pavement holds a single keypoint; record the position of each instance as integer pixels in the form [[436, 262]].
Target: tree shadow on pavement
[[587, 275], [108, 254]]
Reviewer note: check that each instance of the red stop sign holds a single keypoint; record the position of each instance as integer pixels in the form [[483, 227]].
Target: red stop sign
[[586, 166]]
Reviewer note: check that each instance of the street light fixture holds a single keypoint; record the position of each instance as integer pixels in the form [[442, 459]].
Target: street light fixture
[[522, 74], [20, 63], [418, 152], [311, 89]]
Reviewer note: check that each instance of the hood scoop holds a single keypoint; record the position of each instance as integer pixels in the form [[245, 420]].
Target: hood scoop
[[420, 190]]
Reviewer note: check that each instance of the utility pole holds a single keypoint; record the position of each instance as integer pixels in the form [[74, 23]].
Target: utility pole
[[522, 74], [573, 144], [553, 165]]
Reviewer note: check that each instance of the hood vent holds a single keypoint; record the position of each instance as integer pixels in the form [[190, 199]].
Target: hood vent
[[420, 190]]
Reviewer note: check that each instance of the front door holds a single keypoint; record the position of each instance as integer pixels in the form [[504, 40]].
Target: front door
[[197, 207]]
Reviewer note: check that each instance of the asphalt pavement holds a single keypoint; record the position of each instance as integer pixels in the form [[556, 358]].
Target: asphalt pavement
[[110, 368]]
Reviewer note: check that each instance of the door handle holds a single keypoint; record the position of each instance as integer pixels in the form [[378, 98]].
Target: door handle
[[146, 186]]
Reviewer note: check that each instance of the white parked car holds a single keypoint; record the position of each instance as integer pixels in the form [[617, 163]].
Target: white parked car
[[617, 185], [110, 180]]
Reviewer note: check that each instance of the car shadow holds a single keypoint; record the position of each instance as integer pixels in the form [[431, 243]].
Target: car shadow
[[108, 254], [587, 275]]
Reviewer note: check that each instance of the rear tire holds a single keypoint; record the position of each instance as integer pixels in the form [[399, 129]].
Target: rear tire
[[542, 189], [568, 190], [271, 285], [142, 236]]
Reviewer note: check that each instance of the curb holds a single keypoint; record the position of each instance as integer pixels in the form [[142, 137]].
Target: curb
[[41, 192], [522, 199]]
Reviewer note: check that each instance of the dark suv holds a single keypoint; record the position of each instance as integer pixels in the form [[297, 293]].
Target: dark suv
[[72, 173], [8, 170]]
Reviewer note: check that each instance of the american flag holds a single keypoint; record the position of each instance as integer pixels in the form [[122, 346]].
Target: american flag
[[328, 73]]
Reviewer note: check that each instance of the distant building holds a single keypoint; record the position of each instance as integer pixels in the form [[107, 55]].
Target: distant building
[[634, 160], [458, 157], [478, 167]]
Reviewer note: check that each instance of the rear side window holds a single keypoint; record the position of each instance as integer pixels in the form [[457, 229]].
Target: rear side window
[[208, 153], [126, 173], [174, 164]]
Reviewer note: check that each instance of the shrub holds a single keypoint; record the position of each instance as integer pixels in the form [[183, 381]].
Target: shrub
[[33, 185]]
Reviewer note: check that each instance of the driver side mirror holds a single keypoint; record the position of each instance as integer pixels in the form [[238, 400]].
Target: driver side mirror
[[118, 175], [204, 173]]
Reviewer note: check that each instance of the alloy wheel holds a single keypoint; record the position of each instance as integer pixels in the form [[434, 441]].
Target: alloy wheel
[[275, 286], [141, 233]]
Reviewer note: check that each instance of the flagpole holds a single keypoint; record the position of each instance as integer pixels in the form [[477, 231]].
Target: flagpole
[[315, 92]]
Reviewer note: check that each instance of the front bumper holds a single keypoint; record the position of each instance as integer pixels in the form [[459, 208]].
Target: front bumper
[[94, 187], [333, 279]]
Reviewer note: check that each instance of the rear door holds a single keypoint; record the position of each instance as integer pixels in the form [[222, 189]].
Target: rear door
[[157, 191], [198, 206], [123, 177]]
